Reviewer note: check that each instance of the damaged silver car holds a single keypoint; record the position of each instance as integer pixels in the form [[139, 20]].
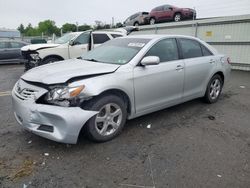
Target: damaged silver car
[[122, 79]]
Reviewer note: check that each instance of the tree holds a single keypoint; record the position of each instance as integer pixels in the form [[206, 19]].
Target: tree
[[84, 27], [69, 28], [21, 28], [30, 31], [48, 27]]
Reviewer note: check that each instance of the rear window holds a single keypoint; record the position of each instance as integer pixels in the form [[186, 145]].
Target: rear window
[[145, 13], [190, 48], [205, 51]]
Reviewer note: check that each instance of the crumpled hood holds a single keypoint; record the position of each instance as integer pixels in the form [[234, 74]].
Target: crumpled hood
[[34, 47], [62, 71]]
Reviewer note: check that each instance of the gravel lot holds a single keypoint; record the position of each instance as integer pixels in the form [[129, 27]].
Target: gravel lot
[[190, 145]]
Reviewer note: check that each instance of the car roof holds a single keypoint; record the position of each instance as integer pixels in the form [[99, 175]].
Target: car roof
[[100, 32], [156, 36], [12, 40]]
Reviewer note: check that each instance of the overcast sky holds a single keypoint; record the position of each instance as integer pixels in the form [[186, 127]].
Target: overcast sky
[[15, 12]]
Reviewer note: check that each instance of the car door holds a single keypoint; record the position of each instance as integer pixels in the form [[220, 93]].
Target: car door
[[15, 50], [80, 45], [198, 66], [158, 86], [160, 13], [100, 38], [167, 12], [3, 51]]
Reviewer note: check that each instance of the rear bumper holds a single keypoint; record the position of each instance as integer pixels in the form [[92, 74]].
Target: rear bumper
[[61, 124]]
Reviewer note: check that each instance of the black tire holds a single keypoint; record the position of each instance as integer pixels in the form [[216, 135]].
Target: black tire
[[177, 17], [152, 21], [136, 24], [27, 66], [208, 97], [49, 60], [96, 104]]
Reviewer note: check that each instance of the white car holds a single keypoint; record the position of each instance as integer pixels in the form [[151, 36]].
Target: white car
[[71, 45]]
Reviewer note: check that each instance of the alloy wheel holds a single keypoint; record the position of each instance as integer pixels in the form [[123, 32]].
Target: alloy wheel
[[177, 17], [152, 21], [215, 89], [108, 119]]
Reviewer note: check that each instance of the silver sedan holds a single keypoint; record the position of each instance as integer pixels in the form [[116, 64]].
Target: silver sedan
[[123, 79]]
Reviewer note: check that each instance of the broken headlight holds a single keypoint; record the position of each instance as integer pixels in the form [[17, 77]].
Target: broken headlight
[[64, 95], [35, 56]]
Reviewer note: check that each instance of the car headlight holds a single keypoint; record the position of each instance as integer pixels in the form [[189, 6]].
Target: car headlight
[[64, 93], [35, 56]]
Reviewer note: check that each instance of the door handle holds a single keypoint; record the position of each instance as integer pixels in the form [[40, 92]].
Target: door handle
[[179, 67], [212, 61]]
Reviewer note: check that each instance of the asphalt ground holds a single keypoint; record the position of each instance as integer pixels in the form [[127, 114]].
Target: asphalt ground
[[189, 145]]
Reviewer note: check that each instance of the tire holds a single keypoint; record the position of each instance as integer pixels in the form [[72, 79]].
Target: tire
[[136, 24], [49, 60], [152, 21], [177, 17], [103, 130], [214, 89], [27, 66]]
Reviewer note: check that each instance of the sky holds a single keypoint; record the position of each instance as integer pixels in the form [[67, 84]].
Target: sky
[[15, 12]]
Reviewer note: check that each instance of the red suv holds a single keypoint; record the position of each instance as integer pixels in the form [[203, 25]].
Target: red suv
[[169, 12]]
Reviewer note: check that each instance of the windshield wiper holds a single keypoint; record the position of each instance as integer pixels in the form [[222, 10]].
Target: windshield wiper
[[93, 60]]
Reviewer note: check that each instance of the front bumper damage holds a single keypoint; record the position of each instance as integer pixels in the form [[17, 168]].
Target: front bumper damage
[[28, 61], [61, 124]]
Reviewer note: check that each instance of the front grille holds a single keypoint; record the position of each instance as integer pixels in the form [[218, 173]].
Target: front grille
[[25, 93]]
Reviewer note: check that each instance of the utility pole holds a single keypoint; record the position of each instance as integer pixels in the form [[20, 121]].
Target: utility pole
[[113, 22], [77, 26]]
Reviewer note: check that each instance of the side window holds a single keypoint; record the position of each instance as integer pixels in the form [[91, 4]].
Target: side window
[[205, 51], [100, 38], [116, 35], [161, 8], [134, 16], [82, 39], [166, 50], [167, 7], [190, 48], [15, 45], [2, 45]]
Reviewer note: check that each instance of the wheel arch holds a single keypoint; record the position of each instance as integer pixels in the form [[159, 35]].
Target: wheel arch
[[136, 22], [221, 74], [118, 92], [53, 56]]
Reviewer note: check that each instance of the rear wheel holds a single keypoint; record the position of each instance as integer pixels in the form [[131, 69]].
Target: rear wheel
[[214, 89], [110, 120], [177, 17]]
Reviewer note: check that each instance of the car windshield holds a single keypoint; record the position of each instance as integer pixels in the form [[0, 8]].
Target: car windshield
[[118, 51], [66, 38]]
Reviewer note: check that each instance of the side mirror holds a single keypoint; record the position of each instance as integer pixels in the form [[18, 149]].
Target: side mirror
[[150, 60], [71, 43]]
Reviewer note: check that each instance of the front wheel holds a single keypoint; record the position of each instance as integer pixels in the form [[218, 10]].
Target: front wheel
[[177, 17], [152, 21], [49, 60], [214, 89], [110, 120]]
